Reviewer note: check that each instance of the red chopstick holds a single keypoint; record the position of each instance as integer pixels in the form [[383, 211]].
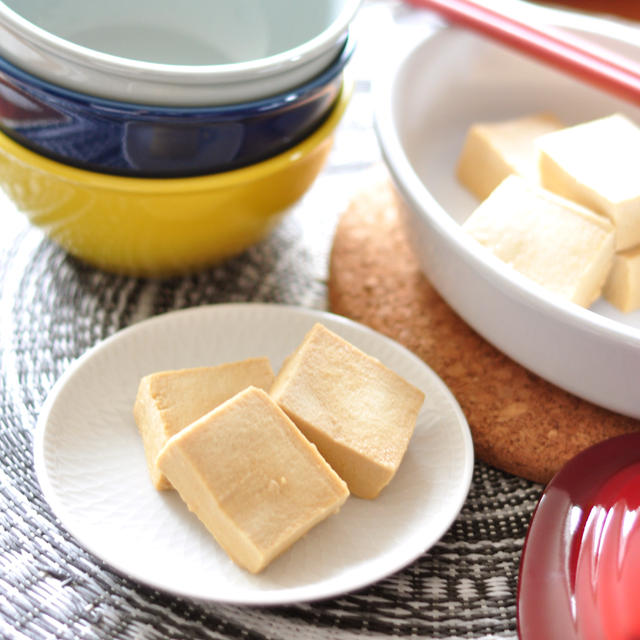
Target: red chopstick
[[584, 60]]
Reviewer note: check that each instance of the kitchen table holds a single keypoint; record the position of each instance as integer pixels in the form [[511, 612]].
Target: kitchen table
[[53, 308]]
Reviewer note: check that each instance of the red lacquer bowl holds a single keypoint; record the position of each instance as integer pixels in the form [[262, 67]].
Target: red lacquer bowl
[[580, 566]]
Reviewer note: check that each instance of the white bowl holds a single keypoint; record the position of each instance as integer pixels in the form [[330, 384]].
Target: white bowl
[[208, 52], [424, 107]]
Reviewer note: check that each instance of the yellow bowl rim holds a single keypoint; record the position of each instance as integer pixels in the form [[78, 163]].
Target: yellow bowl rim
[[212, 181]]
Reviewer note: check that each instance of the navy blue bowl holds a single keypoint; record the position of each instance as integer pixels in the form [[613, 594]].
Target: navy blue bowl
[[149, 141]]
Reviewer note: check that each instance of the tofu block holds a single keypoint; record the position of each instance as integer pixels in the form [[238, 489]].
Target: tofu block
[[359, 413], [494, 150], [597, 164], [252, 478], [168, 401], [622, 288], [560, 245]]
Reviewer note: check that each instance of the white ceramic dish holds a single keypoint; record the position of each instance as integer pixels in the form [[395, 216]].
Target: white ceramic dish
[[424, 107], [90, 464], [209, 52]]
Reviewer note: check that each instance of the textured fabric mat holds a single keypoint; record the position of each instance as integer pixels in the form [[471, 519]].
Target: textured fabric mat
[[52, 309]]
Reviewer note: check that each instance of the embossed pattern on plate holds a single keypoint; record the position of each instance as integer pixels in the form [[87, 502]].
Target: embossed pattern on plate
[[90, 464]]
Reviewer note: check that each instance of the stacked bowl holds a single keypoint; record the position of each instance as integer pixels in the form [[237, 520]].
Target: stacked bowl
[[153, 139]]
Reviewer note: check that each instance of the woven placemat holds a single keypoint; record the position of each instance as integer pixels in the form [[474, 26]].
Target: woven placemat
[[52, 309]]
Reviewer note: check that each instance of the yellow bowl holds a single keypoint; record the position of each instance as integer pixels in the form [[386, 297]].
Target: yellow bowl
[[155, 226]]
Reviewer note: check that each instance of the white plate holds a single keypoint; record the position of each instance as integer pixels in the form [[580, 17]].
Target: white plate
[[424, 107], [90, 463]]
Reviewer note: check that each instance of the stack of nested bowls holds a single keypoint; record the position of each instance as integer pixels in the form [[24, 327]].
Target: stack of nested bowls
[[155, 137]]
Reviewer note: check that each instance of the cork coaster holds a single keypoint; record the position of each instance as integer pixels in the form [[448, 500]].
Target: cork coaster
[[519, 422]]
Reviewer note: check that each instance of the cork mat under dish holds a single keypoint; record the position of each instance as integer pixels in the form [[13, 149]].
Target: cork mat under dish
[[519, 422]]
